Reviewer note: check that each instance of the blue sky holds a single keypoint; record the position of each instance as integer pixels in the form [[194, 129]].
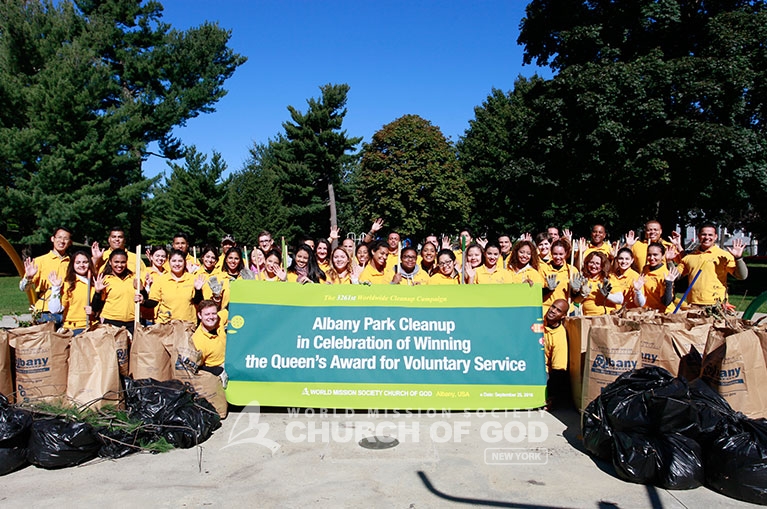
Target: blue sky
[[434, 59]]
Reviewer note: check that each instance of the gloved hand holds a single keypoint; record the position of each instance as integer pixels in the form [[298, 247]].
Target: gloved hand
[[585, 289], [215, 286], [605, 288], [224, 378], [576, 283], [551, 282]]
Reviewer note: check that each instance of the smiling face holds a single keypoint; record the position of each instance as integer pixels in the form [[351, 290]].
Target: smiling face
[[158, 258], [379, 257], [272, 264], [61, 241], [593, 266], [558, 255], [474, 256], [556, 312], [524, 255], [180, 244], [348, 245], [178, 264], [116, 240], [505, 244], [492, 254], [302, 259], [446, 265], [429, 253], [707, 237], [340, 260], [265, 242], [81, 265], [393, 241], [408, 259], [209, 260], [257, 258], [598, 235], [363, 254], [208, 317], [624, 260], [118, 263], [654, 256], [544, 248], [322, 251], [232, 261], [652, 231]]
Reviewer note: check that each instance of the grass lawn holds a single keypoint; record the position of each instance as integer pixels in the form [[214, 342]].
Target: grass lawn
[[11, 299]]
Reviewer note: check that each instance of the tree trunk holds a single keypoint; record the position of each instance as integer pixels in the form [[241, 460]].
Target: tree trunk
[[332, 203]]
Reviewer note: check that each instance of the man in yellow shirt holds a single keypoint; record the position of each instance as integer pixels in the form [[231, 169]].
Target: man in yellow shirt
[[505, 245], [227, 243], [393, 243], [598, 242], [555, 348], [713, 263], [116, 240], [408, 272], [652, 233], [210, 339], [36, 273]]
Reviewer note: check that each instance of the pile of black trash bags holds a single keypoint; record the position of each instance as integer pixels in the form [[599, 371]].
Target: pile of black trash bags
[[664, 431], [170, 410]]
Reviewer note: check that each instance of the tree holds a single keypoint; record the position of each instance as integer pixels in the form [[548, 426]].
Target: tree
[[255, 200], [409, 175], [191, 200], [312, 155], [657, 108], [84, 89]]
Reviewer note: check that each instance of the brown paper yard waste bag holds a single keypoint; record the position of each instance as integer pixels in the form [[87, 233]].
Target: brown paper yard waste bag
[[577, 328], [94, 373], [734, 366], [6, 371], [612, 351], [42, 361], [186, 367], [148, 356]]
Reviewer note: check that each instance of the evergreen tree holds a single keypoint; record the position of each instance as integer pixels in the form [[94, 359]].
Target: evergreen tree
[[84, 89]]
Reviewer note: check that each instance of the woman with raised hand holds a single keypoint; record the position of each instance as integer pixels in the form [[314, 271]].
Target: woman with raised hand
[[492, 270], [177, 292], [474, 259], [409, 272], [623, 279], [557, 274], [257, 263], [273, 270], [658, 279], [596, 295], [115, 295], [71, 298], [362, 254], [234, 266], [447, 275], [524, 264], [304, 267]]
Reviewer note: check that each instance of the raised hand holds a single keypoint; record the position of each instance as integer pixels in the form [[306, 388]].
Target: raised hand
[[334, 235], [576, 282], [737, 248], [446, 242], [568, 235], [481, 241], [377, 225], [96, 252], [527, 236], [639, 283], [552, 282], [671, 253], [199, 282], [631, 238], [54, 279], [605, 288], [673, 274], [99, 284], [30, 269]]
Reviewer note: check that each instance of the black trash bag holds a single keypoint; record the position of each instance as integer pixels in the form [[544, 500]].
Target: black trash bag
[[681, 463], [15, 425], [714, 413], [736, 463], [179, 415], [625, 403], [597, 432], [670, 408], [55, 443], [635, 457]]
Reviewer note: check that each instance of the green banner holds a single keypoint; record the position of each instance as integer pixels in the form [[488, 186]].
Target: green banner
[[387, 346]]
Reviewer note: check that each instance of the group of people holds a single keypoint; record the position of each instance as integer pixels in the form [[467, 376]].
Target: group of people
[[593, 275]]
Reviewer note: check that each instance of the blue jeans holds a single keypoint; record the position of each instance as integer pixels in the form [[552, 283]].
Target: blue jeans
[[56, 318]]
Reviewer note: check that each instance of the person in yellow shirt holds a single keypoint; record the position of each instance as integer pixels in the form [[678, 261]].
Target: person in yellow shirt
[[177, 292], [115, 240], [524, 264], [115, 295], [227, 242], [505, 245], [474, 259], [543, 244], [304, 268], [37, 271], [447, 275], [624, 280], [658, 280], [375, 272], [362, 254], [652, 233], [596, 295], [492, 270], [157, 256], [408, 272], [598, 243], [557, 274], [555, 350], [711, 265], [234, 266], [210, 339], [273, 270], [428, 258], [181, 243], [341, 269], [70, 296], [322, 254]]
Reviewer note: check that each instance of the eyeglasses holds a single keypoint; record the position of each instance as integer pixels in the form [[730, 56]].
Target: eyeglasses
[[445, 264], [408, 257]]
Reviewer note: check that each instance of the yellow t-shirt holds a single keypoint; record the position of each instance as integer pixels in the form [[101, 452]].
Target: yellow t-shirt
[[498, 276], [604, 248], [564, 275], [131, 265], [711, 285], [392, 259], [374, 276], [625, 285], [639, 250], [419, 278], [527, 272], [118, 298], [47, 263], [190, 260], [211, 344], [595, 303], [655, 288], [441, 279], [174, 297], [555, 347], [74, 299], [324, 267]]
